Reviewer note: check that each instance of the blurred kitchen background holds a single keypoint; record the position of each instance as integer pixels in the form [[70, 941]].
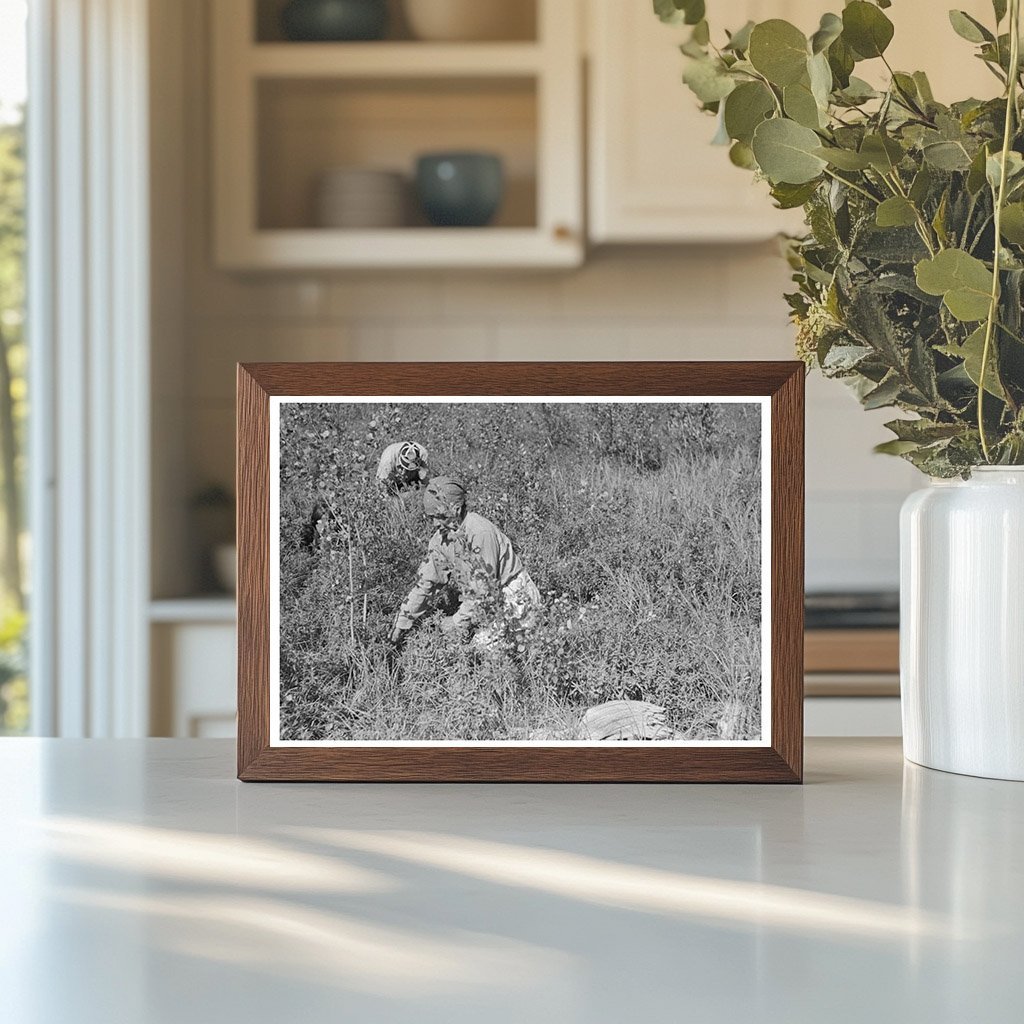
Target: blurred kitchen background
[[288, 216]]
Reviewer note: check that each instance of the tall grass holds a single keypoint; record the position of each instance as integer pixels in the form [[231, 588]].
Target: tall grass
[[640, 523]]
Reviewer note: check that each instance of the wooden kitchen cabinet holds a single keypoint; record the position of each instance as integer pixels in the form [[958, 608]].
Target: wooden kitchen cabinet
[[653, 175], [192, 647], [285, 113]]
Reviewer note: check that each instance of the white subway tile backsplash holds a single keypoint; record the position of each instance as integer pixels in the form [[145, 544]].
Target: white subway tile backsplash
[[466, 342], [509, 297], [841, 438], [413, 296], [645, 285], [755, 281], [410, 342], [240, 297], [214, 347], [700, 340], [559, 341]]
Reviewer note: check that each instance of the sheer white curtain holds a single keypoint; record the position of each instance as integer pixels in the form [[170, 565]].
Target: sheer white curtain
[[88, 316]]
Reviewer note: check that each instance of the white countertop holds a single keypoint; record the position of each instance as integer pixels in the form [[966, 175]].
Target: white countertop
[[142, 884]]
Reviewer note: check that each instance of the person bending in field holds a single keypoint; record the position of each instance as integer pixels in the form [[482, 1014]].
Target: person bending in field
[[403, 465], [469, 554]]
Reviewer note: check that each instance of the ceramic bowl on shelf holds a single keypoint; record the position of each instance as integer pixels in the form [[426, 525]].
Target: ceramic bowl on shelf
[[361, 198], [469, 20], [334, 21], [460, 189]]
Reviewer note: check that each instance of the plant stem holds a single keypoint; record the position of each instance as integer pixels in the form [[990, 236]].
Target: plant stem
[[768, 85], [993, 309], [922, 225], [1012, 334], [854, 186]]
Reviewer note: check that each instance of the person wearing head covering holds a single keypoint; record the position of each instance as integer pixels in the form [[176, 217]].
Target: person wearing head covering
[[469, 554], [402, 465]]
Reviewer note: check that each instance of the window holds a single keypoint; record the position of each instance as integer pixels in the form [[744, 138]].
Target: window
[[14, 702]]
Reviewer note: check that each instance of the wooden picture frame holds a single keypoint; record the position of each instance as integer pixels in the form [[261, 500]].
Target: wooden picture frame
[[778, 386]]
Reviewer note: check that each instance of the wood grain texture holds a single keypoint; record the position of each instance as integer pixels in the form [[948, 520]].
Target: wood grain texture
[[781, 762], [252, 487], [787, 543]]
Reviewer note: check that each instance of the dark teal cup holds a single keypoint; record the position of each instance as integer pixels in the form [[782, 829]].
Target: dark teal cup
[[460, 190], [332, 21]]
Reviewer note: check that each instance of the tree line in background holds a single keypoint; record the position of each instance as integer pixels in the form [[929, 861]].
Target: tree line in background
[[13, 414]]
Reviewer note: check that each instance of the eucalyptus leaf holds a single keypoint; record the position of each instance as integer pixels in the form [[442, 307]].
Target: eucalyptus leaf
[[923, 431], [972, 352], [895, 212], [967, 304], [675, 12], [883, 153], [895, 447], [721, 136], [866, 29], [994, 169], [858, 91], [976, 172], [969, 28], [745, 108], [939, 220], [829, 30], [741, 155], [739, 41], [921, 185], [779, 51], [1012, 223], [744, 69], [789, 197], [841, 60], [924, 87], [884, 395], [946, 156], [785, 152], [844, 159], [668, 11], [694, 11], [820, 76], [963, 281], [800, 105], [707, 80]]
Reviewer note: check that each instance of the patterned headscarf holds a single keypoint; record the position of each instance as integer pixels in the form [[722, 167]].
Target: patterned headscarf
[[444, 496]]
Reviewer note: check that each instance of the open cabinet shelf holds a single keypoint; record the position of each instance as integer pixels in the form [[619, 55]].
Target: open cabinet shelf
[[287, 114], [394, 59]]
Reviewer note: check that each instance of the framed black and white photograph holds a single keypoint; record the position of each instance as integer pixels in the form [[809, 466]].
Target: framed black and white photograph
[[520, 571]]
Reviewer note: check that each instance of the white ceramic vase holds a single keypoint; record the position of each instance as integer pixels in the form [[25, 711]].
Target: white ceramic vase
[[962, 624]]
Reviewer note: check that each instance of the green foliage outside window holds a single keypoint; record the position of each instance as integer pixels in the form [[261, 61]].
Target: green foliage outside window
[[13, 411]]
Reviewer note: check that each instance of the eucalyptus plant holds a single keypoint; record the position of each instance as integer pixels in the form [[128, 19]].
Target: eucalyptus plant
[[910, 278]]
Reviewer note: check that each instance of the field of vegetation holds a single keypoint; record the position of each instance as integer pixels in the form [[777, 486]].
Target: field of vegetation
[[640, 524]]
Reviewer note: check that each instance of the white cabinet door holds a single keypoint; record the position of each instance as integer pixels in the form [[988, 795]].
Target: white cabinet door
[[653, 175], [193, 679]]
